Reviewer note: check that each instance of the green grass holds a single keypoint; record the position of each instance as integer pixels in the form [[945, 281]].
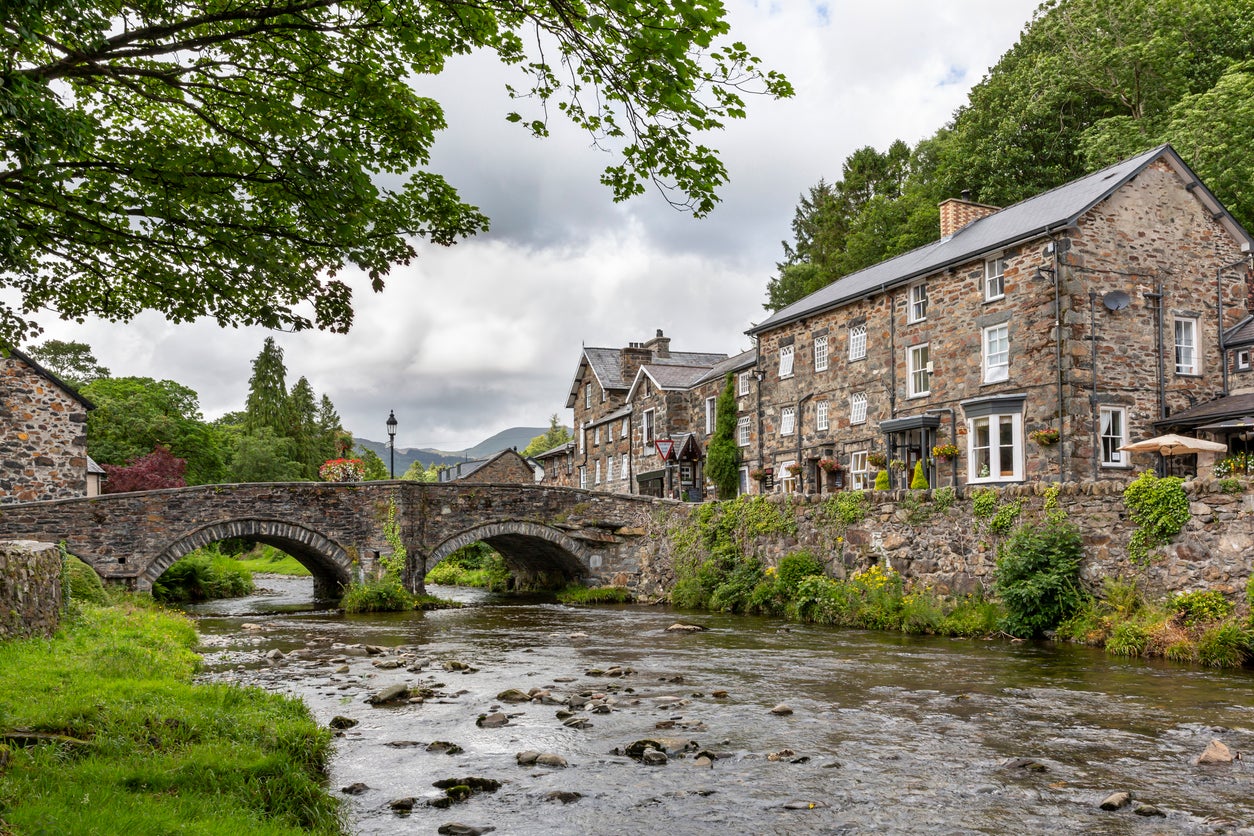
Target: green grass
[[155, 753], [271, 560], [576, 594]]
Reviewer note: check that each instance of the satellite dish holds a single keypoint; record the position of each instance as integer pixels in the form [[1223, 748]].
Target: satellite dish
[[1116, 300]]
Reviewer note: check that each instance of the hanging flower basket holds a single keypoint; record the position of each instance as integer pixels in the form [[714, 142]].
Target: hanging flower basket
[[342, 470], [1044, 437], [794, 469], [945, 452], [758, 473], [830, 465], [897, 464], [876, 459]]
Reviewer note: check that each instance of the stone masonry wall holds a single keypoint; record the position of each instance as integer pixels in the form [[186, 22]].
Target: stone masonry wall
[[954, 552], [30, 588], [43, 445]]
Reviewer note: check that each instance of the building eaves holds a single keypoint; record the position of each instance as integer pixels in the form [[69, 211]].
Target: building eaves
[[1229, 406], [559, 450], [1241, 334], [741, 361], [44, 373], [622, 412], [1053, 210]]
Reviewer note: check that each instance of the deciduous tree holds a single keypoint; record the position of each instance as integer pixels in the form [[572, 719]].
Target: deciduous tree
[[159, 469], [72, 362], [230, 159], [556, 434]]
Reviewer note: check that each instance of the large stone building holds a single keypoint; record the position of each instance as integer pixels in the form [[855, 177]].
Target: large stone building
[[1036, 340], [43, 434]]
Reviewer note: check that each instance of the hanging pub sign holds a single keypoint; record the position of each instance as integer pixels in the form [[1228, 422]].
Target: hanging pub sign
[[664, 448], [768, 480]]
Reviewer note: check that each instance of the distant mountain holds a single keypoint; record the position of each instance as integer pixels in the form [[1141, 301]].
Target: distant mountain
[[518, 437]]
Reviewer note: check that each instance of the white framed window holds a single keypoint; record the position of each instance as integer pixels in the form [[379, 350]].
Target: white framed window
[[1243, 359], [1186, 347], [857, 408], [743, 481], [742, 431], [997, 353], [596, 472], [820, 415], [917, 308], [609, 468], [742, 384], [995, 448], [858, 480], [918, 371], [788, 479], [709, 415], [583, 438], [646, 428], [624, 468], [994, 279], [787, 420], [596, 436], [604, 395], [587, 396], [785, 361], [857, 342], [583, 477], [820, 354], [626, 424], [1113, 424]]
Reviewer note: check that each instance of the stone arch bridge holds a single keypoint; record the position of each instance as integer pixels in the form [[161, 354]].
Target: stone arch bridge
[[338, 531]]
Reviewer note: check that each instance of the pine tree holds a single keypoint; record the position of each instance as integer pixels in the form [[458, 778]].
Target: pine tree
[[267, 404], [329, 431], [302, 414]]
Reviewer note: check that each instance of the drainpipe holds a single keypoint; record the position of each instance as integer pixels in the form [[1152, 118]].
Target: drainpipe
[[1093, 388], [1157, 296], [892, 354], [801, 482], [1219, 322]]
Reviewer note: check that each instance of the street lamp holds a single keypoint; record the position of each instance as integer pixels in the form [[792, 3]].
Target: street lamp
[[391, 444]]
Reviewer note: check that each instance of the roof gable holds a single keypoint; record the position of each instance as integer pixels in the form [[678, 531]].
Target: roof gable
[[44, 373]]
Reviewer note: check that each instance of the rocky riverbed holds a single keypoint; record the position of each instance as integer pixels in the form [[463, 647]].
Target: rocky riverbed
[[536, 718]]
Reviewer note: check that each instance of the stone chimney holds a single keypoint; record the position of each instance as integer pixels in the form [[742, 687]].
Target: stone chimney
[[630, 359], [660, 346], [955, 213]]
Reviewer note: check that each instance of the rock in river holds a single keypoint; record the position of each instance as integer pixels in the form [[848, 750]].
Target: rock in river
[[392, 693], [492, 721], [1117, 801], [456, 828], [1216, 752], [678, 627]]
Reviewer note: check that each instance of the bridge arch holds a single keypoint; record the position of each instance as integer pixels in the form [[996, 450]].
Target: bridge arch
[[531, 550], [329, 563]]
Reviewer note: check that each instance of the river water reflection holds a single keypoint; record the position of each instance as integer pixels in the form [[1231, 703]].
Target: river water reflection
[[888, 733]]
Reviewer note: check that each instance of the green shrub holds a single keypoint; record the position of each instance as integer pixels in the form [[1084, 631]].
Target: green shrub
[[846, 508], [921, 613], [1087, 625], [943, 499], [1005, 518], [1121, 597], [1224, 646], [1200, 606], [1038, 577], [1231, 486], [83, 584], [203, 575], [918, 482], [973, 616], [984, 502], [384, 595], [1159, 508], [1249, 593], [733, 592], [577, 594], [795, 567], [881, 481], [1127, 639]]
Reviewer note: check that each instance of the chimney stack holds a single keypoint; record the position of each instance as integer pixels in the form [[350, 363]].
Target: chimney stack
[[955, 213], [660, 346]]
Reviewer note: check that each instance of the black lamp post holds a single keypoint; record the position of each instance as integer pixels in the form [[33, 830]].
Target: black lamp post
[[391, 444]]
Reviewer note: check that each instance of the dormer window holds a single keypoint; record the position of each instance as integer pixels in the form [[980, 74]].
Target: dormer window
[[917, 308], [994, 279]]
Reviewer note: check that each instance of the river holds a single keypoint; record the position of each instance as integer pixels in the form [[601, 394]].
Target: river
[[888, 734]]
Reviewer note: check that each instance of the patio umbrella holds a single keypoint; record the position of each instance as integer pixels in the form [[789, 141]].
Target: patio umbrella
[[1174, 445]]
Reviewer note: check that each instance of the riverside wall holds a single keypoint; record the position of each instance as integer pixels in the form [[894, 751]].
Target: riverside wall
[[953, 551], [30, 588]]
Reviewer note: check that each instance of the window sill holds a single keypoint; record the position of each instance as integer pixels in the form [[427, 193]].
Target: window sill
[[919, 395], [995, 382], [994, 298], [1189, 374], [857, 359], [916, 321], [1106, 466], [817, 369]]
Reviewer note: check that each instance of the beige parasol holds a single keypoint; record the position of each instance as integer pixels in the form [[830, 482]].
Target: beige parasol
[[1175, 445]]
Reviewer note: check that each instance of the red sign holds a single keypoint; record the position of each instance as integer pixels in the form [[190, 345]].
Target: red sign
[[665, 447]]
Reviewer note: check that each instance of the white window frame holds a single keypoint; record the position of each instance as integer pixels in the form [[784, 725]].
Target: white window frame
[[609, 468], [857, 408], [998, 472], [742, 431], [916, 302], [742, 481], [596, 480], [710, 415], [821, 415], [596, 436], [625, 467], [857, 342], [820, 353], [994, 279], [787, 481], [742, 384], [583, 477], [785, 361], [647, 428], [1243, 359], [625, 430], [1110, 442], [583, 437], [858, 473], [996, 353], [1188, 357], [917, 370], [787, 420], [587, 396]]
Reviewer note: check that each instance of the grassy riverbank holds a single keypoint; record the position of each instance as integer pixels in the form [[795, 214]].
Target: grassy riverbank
[[104, 732]]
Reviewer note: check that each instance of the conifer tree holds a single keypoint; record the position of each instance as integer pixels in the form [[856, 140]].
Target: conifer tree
[[722, 460], [267, 404], [302, 414]]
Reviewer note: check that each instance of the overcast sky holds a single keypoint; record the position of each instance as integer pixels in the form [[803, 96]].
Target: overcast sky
[[485, 335]]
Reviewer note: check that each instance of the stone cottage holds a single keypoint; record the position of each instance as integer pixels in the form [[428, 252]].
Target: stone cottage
[[43, 434]]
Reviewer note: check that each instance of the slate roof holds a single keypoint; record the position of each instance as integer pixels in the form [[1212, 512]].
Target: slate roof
[[623, 412], [561, 449], [607, 366], [740, 362], [1241, 334], [1052, 210], [1230, 406]]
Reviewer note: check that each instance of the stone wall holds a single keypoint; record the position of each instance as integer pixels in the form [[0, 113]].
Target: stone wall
[[954, 552], [30, 588], [43, 445]]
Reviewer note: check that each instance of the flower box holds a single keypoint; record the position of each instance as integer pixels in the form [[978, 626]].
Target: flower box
[[1044, 437]]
